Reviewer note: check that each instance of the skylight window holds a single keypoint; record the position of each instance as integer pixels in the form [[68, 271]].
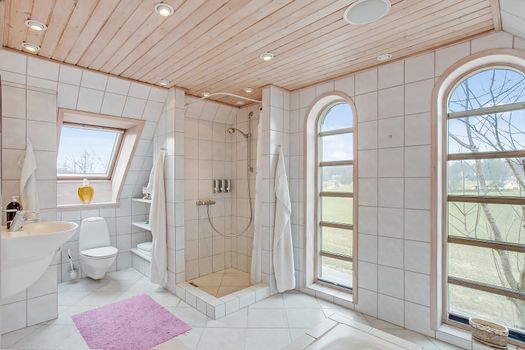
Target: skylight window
[[87, 151]]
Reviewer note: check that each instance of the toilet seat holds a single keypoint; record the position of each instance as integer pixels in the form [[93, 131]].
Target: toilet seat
[[100, 253]]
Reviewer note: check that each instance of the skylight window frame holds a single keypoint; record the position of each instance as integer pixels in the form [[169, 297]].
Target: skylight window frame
[[115, 153]]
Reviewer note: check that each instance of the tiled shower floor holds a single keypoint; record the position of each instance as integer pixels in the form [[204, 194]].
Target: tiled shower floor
[[222, 283]]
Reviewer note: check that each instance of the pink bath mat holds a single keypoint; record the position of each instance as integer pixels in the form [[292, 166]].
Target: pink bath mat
[[133, 324]]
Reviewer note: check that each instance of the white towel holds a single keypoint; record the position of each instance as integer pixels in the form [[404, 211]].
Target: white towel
[[157, 220], [282, 237], [256, 264], [28, 184]]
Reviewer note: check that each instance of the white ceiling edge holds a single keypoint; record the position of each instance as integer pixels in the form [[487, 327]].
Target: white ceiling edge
[[513, 16]]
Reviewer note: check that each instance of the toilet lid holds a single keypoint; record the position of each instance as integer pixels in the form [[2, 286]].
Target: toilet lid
[[102, 252], [146, 246]]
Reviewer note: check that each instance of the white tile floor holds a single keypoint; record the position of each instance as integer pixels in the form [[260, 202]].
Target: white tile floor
[[269, 324]]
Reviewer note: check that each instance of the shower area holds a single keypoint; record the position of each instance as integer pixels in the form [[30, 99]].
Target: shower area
[[220, 146]]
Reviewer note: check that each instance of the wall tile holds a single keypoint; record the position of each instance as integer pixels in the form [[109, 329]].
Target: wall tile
[[70, 75], [391, 74], [366, 81], [419, 67], [417, 256], [391, 281], [390, 192], [390, 102], [391, 132], [90, 100], [390, 252], [418, 96], [366, 106], [391, 309], [390, 162]]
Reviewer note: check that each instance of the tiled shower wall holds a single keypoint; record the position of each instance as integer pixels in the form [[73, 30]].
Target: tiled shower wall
[[32, 91], [393, 104]]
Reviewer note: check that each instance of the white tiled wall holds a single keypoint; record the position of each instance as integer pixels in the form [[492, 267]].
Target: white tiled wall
[[393, 104], [169, 135], [212, 153], [33, 90]]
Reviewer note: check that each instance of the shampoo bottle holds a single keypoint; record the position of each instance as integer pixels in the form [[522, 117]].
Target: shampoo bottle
[[86, 192]]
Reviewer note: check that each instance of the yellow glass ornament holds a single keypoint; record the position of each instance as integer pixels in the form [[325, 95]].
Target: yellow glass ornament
[[86, 192]]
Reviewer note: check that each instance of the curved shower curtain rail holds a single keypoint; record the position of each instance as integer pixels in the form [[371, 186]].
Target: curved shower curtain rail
[[222, 93]]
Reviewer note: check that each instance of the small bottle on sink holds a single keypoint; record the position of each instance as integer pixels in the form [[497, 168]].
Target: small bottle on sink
[[11, 210]]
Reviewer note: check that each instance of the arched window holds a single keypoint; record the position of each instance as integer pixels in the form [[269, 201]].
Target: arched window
[[485, 198], [335, 189]]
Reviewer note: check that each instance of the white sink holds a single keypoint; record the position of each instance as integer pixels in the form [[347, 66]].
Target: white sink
[[26, 254]]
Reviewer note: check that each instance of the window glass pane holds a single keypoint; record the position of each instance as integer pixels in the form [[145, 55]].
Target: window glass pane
[[85, 152], [337, 178], [472, 220], [336, 271], [336, 240], [471, 302], [336, 147], [337, 117], [487, 133], [488, 88], [486, 177], [495, 267], [337, 210]]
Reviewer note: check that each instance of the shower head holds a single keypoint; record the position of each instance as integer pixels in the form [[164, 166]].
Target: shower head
[[233, 130]]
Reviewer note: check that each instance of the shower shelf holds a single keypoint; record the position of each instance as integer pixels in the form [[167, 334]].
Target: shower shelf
[[142, 225], [141, 200]]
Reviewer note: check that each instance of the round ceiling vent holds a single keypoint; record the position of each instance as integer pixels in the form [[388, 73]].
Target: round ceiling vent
[[366, 11]]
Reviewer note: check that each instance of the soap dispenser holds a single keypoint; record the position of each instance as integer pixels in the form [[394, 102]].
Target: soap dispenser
[[11, 210], [86, 192]]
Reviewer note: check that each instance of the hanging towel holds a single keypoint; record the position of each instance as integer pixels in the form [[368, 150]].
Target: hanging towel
[[28, 185], [157, 220], [256, 265], [282, 236]]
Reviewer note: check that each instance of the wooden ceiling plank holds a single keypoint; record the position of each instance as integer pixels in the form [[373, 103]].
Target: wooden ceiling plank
[[346, 62], [200, 21], [190, 43], [166, 70], [58, 21], [275, 22], [441, 31], [496, 14], [20, 11], [78, 20], [100, 15], [118, 18], [311, 49], [42, 10], [156, 26], [344, 33], [203, 50], [136, 20], [334, 71], [349, 59], [4, 21]]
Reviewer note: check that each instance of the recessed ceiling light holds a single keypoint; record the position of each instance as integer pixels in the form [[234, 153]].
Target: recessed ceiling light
[[366, 11], [33, 48], [206, 94], [267, 56], [164, 9], [248, 90], [164, 82], [384, 57], [35, 25]]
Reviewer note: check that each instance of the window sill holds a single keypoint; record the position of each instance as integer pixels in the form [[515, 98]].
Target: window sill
[[63, 207], [333, 295]]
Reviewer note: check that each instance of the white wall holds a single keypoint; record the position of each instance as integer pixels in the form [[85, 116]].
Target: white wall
[[33, 90], [394, 159]]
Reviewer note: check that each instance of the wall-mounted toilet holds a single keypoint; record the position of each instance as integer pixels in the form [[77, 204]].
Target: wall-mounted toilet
[[96, 253]]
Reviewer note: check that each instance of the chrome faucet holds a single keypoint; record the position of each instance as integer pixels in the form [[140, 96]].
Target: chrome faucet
[[19, 220]]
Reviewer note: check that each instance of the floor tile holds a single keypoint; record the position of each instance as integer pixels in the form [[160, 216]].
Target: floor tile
[[266, 339], [267, 318], [222, 339], [304, 318]]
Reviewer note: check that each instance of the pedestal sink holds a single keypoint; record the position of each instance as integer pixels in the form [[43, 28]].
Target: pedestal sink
[[26, 254]]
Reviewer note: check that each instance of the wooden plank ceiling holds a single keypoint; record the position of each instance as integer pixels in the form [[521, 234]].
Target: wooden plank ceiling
[[214, 45]]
